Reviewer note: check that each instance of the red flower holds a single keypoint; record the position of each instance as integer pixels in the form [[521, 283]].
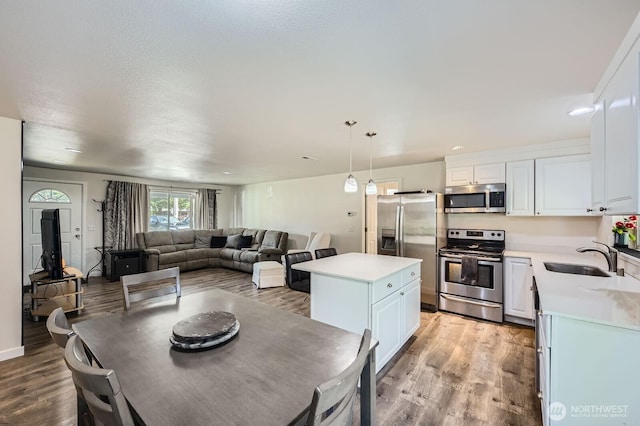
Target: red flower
[[630, 225], [619, 225], [633, 218]]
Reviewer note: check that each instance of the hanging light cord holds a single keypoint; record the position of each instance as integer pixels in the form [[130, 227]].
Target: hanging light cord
[[350, 123], [371, 135]]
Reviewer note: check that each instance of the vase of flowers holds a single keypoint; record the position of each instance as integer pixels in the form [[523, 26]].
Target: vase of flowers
[[624, 231]]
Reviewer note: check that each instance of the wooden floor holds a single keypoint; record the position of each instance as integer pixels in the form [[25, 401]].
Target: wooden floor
[[453, 371]]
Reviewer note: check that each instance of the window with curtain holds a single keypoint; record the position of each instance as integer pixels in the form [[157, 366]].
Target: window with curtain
[[171, 209]]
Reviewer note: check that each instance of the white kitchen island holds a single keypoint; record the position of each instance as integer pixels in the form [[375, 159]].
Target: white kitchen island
[[355, 291]]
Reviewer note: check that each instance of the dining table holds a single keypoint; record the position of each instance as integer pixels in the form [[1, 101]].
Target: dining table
[[265, 375]]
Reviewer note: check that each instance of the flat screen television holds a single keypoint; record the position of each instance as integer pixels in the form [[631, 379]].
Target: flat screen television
[[51, 243]]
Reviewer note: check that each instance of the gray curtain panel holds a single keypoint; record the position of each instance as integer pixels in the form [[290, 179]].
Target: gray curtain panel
[[126, 213]]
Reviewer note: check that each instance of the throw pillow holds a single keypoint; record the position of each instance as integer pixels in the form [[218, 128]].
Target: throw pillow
[[218, 242], [202, 242], [233, 240], [245, 241]]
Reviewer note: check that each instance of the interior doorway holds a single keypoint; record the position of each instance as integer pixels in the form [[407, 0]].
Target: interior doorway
[[371, 215], [38, 195]]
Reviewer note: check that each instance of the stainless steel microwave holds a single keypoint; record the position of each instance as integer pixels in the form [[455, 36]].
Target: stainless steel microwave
[[488, 198]]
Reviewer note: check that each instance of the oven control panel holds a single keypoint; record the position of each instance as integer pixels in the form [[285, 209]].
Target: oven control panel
[[476, 234]]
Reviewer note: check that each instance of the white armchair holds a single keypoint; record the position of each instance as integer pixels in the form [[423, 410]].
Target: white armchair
[[316, 241]]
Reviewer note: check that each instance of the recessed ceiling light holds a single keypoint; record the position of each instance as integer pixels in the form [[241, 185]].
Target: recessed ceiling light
[[457, 148], [226, 173], [580, 111], [76, 150], [307, 157]]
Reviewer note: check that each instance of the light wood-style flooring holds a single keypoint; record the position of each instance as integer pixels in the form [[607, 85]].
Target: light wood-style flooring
[[453, 371]]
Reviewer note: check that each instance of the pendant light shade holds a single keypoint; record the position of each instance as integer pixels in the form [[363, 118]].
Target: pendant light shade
[[372, 188], [350, 184]]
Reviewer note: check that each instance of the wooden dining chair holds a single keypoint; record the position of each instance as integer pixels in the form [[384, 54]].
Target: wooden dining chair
[[98, 387], [59, 328], [332, 401], [129, 281]]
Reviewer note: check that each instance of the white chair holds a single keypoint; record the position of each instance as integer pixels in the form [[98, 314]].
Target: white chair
[[148, 277], [316, 241]]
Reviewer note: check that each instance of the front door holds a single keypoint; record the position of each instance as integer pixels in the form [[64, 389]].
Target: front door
[[41, 195]]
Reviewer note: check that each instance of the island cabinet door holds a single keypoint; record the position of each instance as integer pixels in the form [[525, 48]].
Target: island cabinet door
[[411, 307], [387, 324]]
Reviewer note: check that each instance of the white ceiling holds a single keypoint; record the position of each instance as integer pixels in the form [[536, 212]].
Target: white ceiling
[[186, 90]]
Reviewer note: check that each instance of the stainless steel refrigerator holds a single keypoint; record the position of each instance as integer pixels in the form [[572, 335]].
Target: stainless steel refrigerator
[[411, 224]]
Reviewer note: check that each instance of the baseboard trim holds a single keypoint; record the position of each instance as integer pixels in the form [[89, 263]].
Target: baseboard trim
[[11, 353]]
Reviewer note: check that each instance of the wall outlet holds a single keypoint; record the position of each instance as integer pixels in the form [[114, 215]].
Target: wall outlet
[[91, 227]]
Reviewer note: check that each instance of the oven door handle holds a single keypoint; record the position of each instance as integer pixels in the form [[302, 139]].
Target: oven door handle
[[480, 258], [472, 302]]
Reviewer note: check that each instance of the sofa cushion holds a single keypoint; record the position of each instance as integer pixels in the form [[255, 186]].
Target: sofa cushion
[[175, 257], [208, 233], [271, 239], [218, 242], [245, 242], [202, 242], [197, 253], [157, 238], [249, 256], [165, 249], [186, 236], [232, 231], [233, 241]]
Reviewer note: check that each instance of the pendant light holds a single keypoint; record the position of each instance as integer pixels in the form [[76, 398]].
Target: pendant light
[[371, 188], [350, 184]]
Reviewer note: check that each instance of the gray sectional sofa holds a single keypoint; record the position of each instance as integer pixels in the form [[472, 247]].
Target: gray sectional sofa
[[191, 249]]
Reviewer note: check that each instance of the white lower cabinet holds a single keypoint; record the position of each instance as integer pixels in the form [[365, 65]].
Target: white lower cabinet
[[394, 319], [587, 372], [518, 291]]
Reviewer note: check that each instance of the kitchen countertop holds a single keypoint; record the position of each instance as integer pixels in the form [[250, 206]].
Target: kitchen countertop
[[358, 266], [609, 300]]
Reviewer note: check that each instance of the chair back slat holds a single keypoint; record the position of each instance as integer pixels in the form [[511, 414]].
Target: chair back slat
[[131, 281], [92, 383], [297, 280], [58, 327], [332, 401]]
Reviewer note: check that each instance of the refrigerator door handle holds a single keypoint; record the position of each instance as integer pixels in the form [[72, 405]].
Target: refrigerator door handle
[[400, 230], [397, 231]]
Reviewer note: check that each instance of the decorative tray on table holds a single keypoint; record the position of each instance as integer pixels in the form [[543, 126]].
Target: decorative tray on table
[[204, 330]]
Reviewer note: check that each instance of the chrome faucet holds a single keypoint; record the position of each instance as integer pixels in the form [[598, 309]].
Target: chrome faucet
[[611, 255]]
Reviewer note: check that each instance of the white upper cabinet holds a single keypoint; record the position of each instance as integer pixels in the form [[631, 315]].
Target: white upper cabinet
[[620, 100], [520, 188], [563, 186], [476, 175]]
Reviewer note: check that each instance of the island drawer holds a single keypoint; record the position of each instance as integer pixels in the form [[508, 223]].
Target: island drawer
[[411, 273], [384, 287]]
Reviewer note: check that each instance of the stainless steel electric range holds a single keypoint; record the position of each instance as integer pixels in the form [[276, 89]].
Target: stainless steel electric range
[[470, 273]]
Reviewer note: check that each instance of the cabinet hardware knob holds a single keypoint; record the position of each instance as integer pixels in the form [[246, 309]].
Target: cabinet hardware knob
[[402, 293], [413, 273], [539, 349], [389, 285], [589, 210], [539, 395], [602, 209]]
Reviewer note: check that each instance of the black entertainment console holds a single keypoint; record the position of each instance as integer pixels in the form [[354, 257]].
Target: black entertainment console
[[124, 262]]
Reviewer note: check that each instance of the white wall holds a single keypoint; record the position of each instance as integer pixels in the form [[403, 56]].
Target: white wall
[[300, 206], [96, 189], [11, 218]]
